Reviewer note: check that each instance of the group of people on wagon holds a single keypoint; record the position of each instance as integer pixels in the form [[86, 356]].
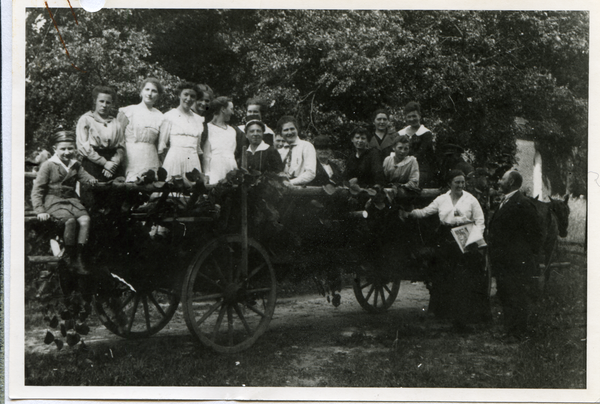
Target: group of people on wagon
[[197, 134]]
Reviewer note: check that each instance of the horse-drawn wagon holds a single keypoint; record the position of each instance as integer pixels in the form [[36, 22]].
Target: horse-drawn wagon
[[219, 250]]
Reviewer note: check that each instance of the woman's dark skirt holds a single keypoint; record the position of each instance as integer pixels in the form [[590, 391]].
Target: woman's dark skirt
[[94, 198], [459, 283], [427, 176], [95, 170]]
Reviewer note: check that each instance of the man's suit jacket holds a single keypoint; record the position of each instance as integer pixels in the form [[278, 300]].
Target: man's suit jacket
[[322, 178], [387, 144], [515, 234]]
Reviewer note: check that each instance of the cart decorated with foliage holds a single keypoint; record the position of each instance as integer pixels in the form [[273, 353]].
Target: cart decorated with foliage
[[219, 251]]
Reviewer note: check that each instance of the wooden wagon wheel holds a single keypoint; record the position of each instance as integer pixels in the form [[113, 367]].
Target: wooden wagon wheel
[[376, 291], [226, 306], [136, 314]]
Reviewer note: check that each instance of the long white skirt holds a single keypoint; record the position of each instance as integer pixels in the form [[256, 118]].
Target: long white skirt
[[181, 160], [141, 157], [218, 165]]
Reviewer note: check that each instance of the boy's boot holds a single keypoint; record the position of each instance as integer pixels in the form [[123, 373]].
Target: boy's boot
[[68, 254], [77, 261]]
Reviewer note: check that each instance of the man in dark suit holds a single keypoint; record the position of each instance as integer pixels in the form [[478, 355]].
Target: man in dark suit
[[514, 240], [327, 171]]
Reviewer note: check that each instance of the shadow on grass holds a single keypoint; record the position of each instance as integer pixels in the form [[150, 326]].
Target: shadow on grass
[[555, 354], [401, 348]]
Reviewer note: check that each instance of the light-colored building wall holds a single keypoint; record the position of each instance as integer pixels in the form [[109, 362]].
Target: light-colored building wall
[[529, 164]]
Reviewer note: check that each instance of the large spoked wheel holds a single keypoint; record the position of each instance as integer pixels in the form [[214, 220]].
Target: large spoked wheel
[[375, 292], [136, 314], [224, 309]]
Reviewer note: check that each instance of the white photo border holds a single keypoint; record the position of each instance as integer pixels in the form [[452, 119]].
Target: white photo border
[[14, 279]]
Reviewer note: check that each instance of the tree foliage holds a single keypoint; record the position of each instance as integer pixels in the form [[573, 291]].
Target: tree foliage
[[103, 49], [472, 71]]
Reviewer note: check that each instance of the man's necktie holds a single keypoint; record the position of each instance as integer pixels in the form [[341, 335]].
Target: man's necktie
[[288, 159]]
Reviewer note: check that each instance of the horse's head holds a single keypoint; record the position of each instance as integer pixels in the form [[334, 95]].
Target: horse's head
[[478, 181], [561, 210]]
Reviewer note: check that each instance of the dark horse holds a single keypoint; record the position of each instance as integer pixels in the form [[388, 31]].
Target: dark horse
[[554, 217]]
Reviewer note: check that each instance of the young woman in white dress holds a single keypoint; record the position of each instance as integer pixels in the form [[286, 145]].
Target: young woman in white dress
[[220, 142], [205, 96], [143, 124], [182, 135]]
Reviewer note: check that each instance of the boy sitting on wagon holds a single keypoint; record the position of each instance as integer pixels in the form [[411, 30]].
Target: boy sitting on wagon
[[53, 194]]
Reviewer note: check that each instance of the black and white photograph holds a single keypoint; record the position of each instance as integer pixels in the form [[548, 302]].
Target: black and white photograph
[[340, 203]]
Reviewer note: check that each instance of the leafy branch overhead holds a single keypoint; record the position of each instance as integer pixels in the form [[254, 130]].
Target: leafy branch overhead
[[472, 71]]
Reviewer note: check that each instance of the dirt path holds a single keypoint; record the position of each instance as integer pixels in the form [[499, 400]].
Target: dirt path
[[312, 343], [313, 333], [311, 310]]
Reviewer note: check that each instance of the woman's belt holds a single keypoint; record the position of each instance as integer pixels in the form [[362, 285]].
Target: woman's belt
[[106, 152], [183, 147]]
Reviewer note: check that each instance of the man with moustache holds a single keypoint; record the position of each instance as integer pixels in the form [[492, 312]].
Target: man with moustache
[[515, 236]]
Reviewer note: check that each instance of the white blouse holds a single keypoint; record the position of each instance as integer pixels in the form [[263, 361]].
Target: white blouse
[[181, 131], [141, 125], [404, 172], [302, 166], [422, 129], [466, 210]]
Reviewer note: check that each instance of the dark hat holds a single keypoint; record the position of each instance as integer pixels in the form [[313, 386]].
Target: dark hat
[[322, 142], [62, 136], [254, 122], [450, 148]]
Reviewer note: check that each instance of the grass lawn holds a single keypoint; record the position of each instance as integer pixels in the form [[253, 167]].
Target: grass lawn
[[353, 349], [310, 343]]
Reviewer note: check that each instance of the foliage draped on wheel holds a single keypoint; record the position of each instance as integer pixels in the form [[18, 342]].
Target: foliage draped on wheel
[[137, 253], [391, 250], [65, 303]]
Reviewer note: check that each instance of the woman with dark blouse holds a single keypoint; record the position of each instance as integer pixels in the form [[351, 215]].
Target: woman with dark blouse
[[260, 156], [421, 145], [383, 138], [364, 163]]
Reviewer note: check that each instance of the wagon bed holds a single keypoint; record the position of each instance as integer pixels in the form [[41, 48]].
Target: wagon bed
[[227, 279]]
